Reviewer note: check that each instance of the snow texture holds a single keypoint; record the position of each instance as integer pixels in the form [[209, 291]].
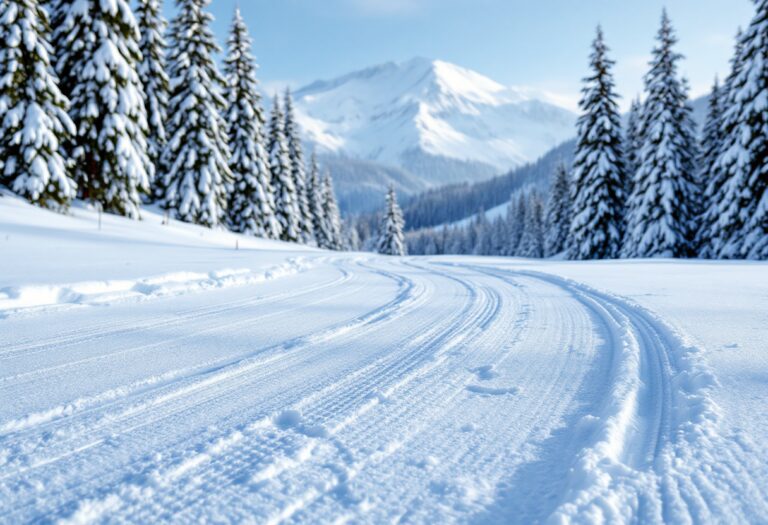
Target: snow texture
[[368, 389]]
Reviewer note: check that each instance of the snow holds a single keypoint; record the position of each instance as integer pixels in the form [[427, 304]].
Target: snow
[[203, 376], [380, 113]]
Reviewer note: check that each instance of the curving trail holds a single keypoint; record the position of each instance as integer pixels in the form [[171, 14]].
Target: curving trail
[[365, 389]]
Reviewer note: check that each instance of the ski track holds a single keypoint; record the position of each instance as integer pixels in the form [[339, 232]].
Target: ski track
[[455, 393]]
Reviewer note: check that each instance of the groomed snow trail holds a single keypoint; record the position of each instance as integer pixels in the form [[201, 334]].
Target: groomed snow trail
[[360, 389]]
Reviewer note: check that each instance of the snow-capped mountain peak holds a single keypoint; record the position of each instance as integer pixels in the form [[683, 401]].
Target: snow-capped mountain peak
[[408, 114]]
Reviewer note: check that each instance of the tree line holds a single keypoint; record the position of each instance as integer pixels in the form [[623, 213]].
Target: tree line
[[95, 104], [655, 187]]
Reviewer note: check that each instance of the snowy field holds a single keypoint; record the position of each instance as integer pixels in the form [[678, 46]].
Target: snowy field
[[154, 372]]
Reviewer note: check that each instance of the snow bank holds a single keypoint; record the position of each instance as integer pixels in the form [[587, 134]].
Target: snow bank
[[19, 298]]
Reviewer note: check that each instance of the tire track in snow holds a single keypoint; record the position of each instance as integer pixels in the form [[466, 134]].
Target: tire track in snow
[[392, 311], [659, 431], [262, 443], [451, 465], [429, 392], [277, 349], [312, 451], [81, 336], [107, 398]]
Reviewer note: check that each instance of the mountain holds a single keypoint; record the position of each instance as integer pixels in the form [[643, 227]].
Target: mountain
[[435, 121]]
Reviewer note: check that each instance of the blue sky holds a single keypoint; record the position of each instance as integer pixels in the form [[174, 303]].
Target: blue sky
[[538, 43]]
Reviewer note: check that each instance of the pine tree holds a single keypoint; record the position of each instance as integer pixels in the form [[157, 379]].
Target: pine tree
[[391, 239], [516, 217], [252, 202], [195, 159], [499, 235], [481, 232], [633, 143], [98, 43], [599, 177], [298, 169], [317, 206], [711, 143], [56, 10], [742, 227], [558, 223], [33, 112], [153, 76], [351, 236], [332, 215], [662, 209], [691, 164], [532, 240], [286, 203], [713, 175]]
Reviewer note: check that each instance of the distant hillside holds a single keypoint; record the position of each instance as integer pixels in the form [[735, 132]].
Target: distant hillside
[[360, 185], [458, 201]]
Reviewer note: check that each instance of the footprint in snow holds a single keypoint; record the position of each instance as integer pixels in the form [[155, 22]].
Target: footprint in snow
[[293, 420], [491, 391], [485, 372], [427, 463]]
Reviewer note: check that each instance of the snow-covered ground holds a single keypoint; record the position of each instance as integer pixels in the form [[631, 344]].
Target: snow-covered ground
[[154, 372]]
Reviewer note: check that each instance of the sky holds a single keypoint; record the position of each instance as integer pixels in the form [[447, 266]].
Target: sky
[[542, 44]]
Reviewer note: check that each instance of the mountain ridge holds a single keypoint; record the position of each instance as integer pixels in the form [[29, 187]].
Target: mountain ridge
[[439, 122]]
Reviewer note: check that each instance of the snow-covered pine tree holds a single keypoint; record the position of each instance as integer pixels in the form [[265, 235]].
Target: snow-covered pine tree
[[298, 169], [391, 239], [599, 176], [714, 176], [351, 236], [55, 17], [195, 160], [286, 202], [332, 215], [252, 202], [691, 164], [532, 240], [317, 205], [662, 217], [33, 112], [633, 142], [509, 228], [516, 219], [558, 222], [711, 144], [499, 235], [98, 46], [153, 76], [742, 226], [481, 233]]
